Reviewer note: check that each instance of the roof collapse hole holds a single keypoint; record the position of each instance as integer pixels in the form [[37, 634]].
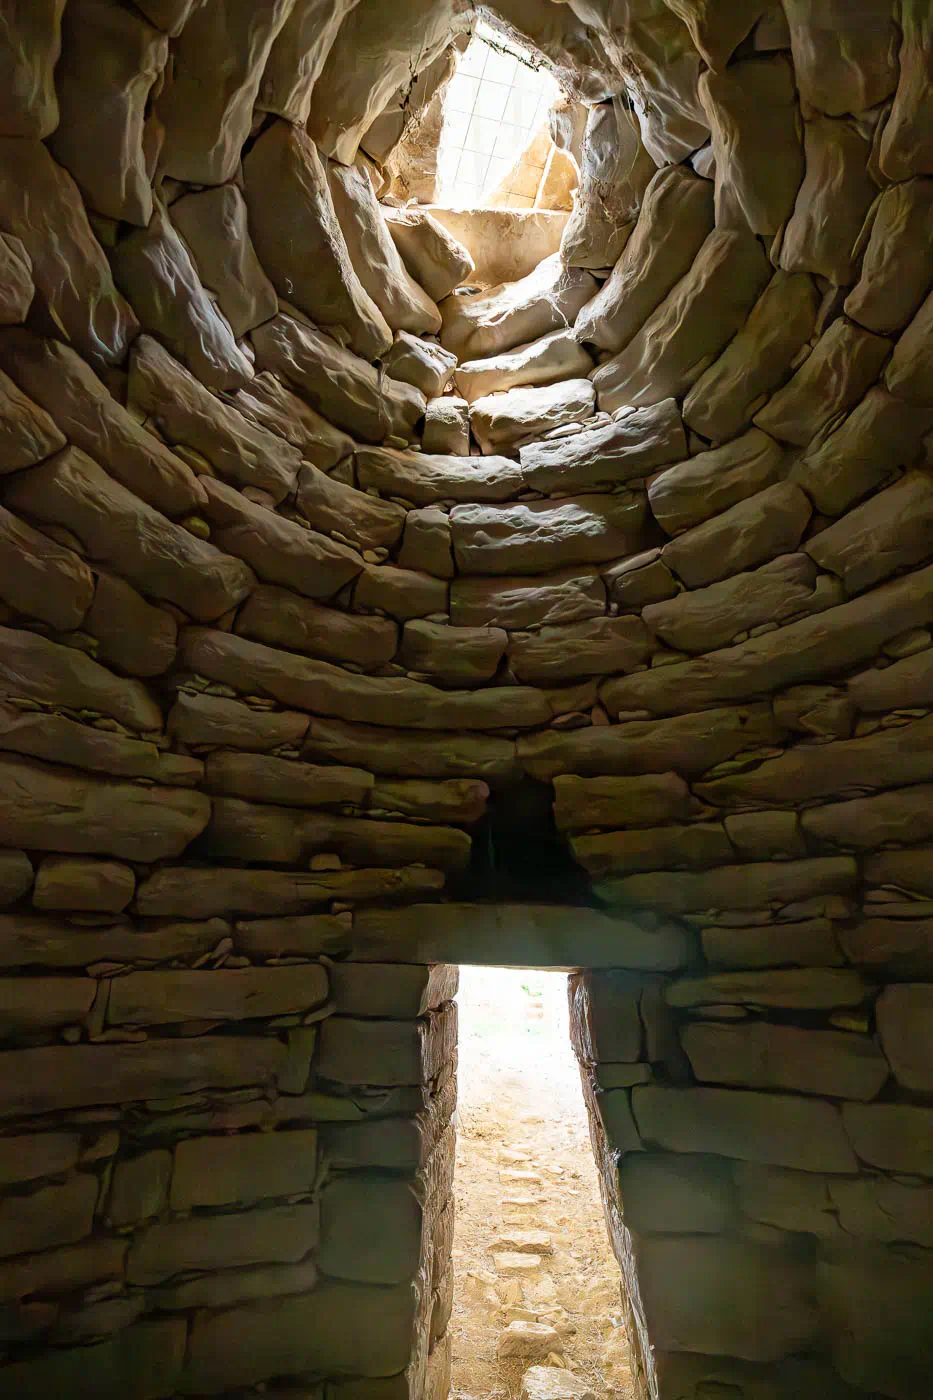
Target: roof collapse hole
[[518, 853]]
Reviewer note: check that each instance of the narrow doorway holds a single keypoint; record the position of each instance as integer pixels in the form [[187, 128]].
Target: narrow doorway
[[531, 1245]]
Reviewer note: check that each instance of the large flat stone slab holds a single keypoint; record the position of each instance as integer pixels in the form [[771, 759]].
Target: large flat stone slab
[[632, 446], [540, 537], [489, 322], [425, 477]]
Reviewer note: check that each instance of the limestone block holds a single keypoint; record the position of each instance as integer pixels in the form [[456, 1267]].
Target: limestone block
[[154, 270], [895, 1137], [786, 1199], [889, 756], [690, 327], [772, 1128], [130, 632], [500, 421], [689, 744], [144, 1360], [370, 1230], [300, 935], [15, 876], [550, 360], [39, 1005], [877, 1208], [447, 427], [161, 559], [664, 1193], [41, 578], [69, 270], [904, 1025], [110, 61], [285, 781], [268, 403], [807, 990], [897, 267], [316, 1332], [435, 259], [676, 216], [356, 1051], [845, 59], [705, 485], [217, 1171], [751, 886], [885, 535], [458, 800], [537, 537], [210, 719], [32, 45], [27, 1158], [905, 142], [402, 593], [550, 1383], [862, 453], [424, 478], [426, 543], [27, 432], [280, 550], [56, 377], [727, 1296], [374, 256], [876, 689], [206, 108], [283, 619], [908, 373], [140, 1188], [480, 324], [160, 998], [201, 893], [18, 287], [596, 647], [279, 1234], [766, 835], [758, 1055], [704, 619], [615, 172], [844, 363], [633, 445], [757, 529], [46, 808], [34, 667], [391, 989], [582, 803], [456, 656], [64, 882], [405, 755], [349, 392], [530, 1341], [43, 734], [639, 580], [899, 947], [834, 198], [213, 224], [419, 362], [755, 124], [717, 28], [330, 506], [702, 844], [49, 1218], [722, 401], [298, 55]]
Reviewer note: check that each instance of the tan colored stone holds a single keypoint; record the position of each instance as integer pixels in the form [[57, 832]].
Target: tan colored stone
[[878, 689], [465, 656], [130, 632], [766, 835], [700, 844], [805, 943], [279, 1234], [543, 536], [285, 781], [40, 734], [298, 55], [690, 327], [183, 891], [489, 322], [15, 876], [32, 666], [905, 142], [447, 427], [267, 402], [160, 998], [31, 49], [402, 593], [39, 1005], [501, 421], [581, 803], [639, 580], [885, 535], [897, 267], [27, 432], [349, 392], [41, 578], [117, 529], [845, 59], [18, 287], [710, 482], [596, 647], [216, 1171], [842, 366], [908, 373], [424, 478], [329, 505], [405, 754], [904, 1025], [391, 989], [633, 445], [757, 529], [752, 886], [433, 256], [831, 205], [615, 171], [457, 800], [283, 619], [426, 543], [213, 223], [64, 882], [807, 989], [530, 1341], [211, 719], [553, 358], [571, 595], [299, 935], [363, 1051], [423, 363]]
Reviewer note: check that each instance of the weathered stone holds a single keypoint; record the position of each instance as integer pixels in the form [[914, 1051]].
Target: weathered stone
[[766, 835], [213, 223], [144, 1361], [349, 392], [727, 1296], [432, 255], [41, 578], [524, 935], [27, 432], [299, 241], [400, 753], [758, 1055], [140, 1188], [426, 543], [897, 267], [786, 1199], [774, 1128], [402, 593], [420, 362], [689, 744], [544, 536], [26, 1158], [597, 647], [808, 990], [283, 619], [196, 893], [32, 47], [280, 1234], [39, 734], [486, 323], [664, 1194], [285, 781], [831, 205], [43, 1004], [329, 505], [210, 719], [447, 427], [466, 656], [758, 528], [49, 1218], [216, 1171], [868, 822], [110, 61], [905, 148], [391, 989], [615, 170], [267, 402], [752, 886], [56, 377], [161, 559], [570, 595], [581, 803], [356, 1051], [877, 1208], [301, 935], [908, 373], [895, 1137], [63, 882], [899, 947], [641, 579], [33, 667], [18, 287], [551, 1383], [130, 632], [844, 363], [15, 876], [883, 689], [701, 844], [845, 60], [62, 1270], [424, 478], [500, 421], [160, 998], [297, 57], [46, 808], [634, 444], [370, 1230], [531, 1341], [809, 650], [904, 1025], [711, 482], [232, 1286], [705, 619], [70, 270], [460, 801], [550, 360], [690, 327]]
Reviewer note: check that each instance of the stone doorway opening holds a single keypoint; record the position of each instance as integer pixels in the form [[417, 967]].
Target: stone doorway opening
[[536, 1308]]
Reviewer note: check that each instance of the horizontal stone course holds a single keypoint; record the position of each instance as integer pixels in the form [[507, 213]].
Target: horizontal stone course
[[216, 1171], [732, 887], [156, 998], [279, 1234], [757, 1055]]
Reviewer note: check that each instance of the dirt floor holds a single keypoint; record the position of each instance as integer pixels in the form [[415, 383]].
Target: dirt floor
[[524, 1163]]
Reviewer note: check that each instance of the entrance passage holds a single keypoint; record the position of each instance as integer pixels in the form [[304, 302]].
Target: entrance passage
[[531, 1248]]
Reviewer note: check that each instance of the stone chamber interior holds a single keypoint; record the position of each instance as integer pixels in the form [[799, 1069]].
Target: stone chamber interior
[[360, 619]]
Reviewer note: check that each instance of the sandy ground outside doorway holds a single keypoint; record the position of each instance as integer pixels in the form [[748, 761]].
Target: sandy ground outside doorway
[[524, 1163]]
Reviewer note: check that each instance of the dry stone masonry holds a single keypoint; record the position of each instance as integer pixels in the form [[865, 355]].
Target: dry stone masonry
[[315, 549]]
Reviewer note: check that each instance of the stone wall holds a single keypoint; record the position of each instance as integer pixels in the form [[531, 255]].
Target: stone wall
[[305, 557]]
